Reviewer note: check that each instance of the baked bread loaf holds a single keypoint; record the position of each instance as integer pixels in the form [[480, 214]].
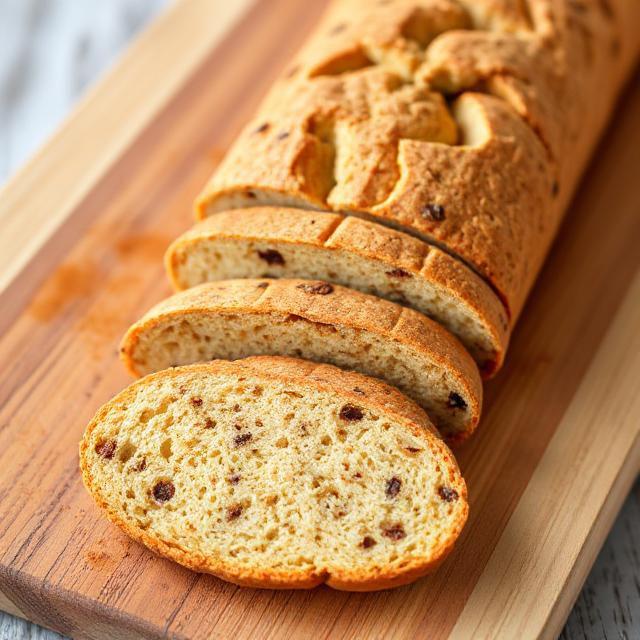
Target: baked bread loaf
[[277, 242], [279, 473], [360, 123], [316, 321]]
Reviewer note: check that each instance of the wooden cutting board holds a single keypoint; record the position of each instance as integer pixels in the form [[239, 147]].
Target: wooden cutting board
[[82, 233]]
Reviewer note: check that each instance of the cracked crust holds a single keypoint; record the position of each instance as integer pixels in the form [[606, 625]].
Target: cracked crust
[[368, 393], [315, 321], [351, 252], [359, 123]]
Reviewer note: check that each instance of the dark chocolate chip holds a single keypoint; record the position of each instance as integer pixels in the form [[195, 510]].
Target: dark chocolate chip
[[393, 487], [262, 128], [141, 466], [395, 532], [398, 273], [209, 423], [320, 288], [106, 448], [412, 449], [234, 512], [367, 542], [433, 212], [271, 256], [234, 478], [456, 401], [250, 194], [350, 413], [448, 494], [262, 285], [196, 402], [282, 135], [163, 491], [242, 439]]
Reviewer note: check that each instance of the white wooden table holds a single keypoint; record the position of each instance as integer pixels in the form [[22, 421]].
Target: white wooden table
[[50, 50]]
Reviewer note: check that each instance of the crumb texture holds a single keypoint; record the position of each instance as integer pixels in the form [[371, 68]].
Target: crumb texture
[[284, 243], [315, 321], [276, 480]]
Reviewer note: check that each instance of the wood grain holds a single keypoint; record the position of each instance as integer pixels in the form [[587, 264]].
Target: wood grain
[[596, 445], [608, 606], [99, 267], [105, 124]]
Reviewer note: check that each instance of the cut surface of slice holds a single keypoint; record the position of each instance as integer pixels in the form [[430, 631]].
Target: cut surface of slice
[[316, 321], [277, 473], [278, 242]]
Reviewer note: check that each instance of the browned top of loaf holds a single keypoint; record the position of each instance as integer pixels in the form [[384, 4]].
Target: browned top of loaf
[[358, 122], [337, 232]]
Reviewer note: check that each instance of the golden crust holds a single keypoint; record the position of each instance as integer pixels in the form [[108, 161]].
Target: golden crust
[[343, 307], [371, 393], [338, 132], [335, 232]]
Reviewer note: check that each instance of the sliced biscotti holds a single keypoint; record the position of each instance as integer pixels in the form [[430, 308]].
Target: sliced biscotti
[[278, 242], [277, 473], [466, 123], [454, 195], [317, 321]]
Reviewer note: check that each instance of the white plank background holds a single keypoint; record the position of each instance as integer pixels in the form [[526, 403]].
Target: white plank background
[[50, 51]]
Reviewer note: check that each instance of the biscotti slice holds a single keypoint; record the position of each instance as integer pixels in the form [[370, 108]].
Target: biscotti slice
[[317, 321], [277, 473], [284, 243]]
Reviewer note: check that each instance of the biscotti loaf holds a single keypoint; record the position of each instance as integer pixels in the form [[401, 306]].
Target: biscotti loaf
[[277, 242], [464, 122], [277, 473], [316, 321]]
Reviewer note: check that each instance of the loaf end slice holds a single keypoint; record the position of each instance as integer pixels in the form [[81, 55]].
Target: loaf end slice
[[360, 254], [277, 473], [316, 321]]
